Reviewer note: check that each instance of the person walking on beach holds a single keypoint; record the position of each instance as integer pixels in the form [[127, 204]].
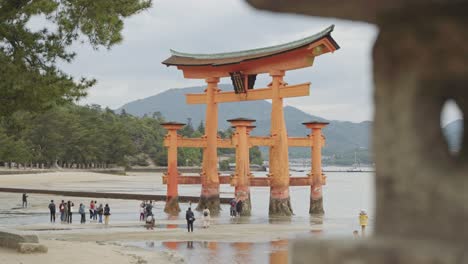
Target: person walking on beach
[[65, 212], [233, 207], [99, 212], [70, 212], [142, 211], [149, 209], [82, 212], [95, 215], [363, 220], [239, 207], [91, 209], [190, 217], [52, 211], [25, 200], [62, 211], [206, 217], [106, 214]]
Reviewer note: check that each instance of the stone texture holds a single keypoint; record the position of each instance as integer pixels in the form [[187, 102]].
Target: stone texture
[[9, 239], [362, 10], [29, 248], [420, 61], [376, 251]]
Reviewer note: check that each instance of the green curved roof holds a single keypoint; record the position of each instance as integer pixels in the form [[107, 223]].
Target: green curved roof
[[182, 58]]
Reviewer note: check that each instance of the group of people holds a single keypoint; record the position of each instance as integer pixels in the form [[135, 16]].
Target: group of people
[[66, 210], [146, 214], [236, 207], [190, 217]]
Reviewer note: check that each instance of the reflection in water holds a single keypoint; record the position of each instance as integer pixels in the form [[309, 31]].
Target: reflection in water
[[279, 253], [149, 244], [189, 244], [243, 251], [170, 245], [207, 252]]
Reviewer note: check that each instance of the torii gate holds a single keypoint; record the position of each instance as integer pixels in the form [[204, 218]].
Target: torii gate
[[243, 67]]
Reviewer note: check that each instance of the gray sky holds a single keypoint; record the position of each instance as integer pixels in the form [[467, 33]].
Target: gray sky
[[341, 82]]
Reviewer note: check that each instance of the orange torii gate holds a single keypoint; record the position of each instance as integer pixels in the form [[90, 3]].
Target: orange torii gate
[[242, 67]]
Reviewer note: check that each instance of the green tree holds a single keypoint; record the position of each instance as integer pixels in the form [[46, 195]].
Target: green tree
[[29, 75], [201, 128]]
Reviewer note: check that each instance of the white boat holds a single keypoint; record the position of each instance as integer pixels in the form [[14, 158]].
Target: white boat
[[355, 167]]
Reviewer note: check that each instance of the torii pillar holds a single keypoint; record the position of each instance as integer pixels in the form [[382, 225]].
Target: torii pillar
[[242, 175], [317, 179], [210, 176], [280, 203], [172, 197]]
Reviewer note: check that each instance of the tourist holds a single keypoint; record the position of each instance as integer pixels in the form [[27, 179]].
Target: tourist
[[62, 211], [363, 220], [233, 207], [95, 215], [239, 207], [206, 217], [52, 211], [149, 209], [65, 212], [81, 210], [70, 212], [190, 217], [106, 214], [25, 200], [99, 212], [356, 234], [91, 210], [142, 211], [150, 220]]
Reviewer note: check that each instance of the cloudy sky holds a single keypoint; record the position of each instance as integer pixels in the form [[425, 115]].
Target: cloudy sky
[[341, 82]]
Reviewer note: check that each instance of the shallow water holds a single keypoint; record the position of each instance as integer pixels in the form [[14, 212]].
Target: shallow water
[[208, 252], [344, 196]]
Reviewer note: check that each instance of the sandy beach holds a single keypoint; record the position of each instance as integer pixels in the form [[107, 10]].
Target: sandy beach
[[73, 243]]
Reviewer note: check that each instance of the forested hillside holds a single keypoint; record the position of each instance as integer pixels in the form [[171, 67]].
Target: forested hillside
[[89, 136]]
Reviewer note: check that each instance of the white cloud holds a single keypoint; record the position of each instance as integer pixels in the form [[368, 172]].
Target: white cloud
[[341, 82]]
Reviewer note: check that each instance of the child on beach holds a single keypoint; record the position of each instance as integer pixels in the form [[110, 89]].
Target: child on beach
[[363, 220]]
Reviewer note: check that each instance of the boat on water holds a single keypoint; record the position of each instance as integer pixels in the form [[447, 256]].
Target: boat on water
[[356, 166]]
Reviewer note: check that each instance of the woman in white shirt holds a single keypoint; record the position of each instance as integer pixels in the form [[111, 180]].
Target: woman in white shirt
[[206, 218]]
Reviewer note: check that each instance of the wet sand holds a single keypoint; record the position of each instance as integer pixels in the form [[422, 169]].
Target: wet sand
[[255, 239], [78, 243]]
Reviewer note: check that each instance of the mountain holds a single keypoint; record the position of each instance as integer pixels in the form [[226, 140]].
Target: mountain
[[343, 138]]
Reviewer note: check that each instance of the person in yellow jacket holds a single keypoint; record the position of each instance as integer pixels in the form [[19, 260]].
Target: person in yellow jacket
[[363, 221]]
